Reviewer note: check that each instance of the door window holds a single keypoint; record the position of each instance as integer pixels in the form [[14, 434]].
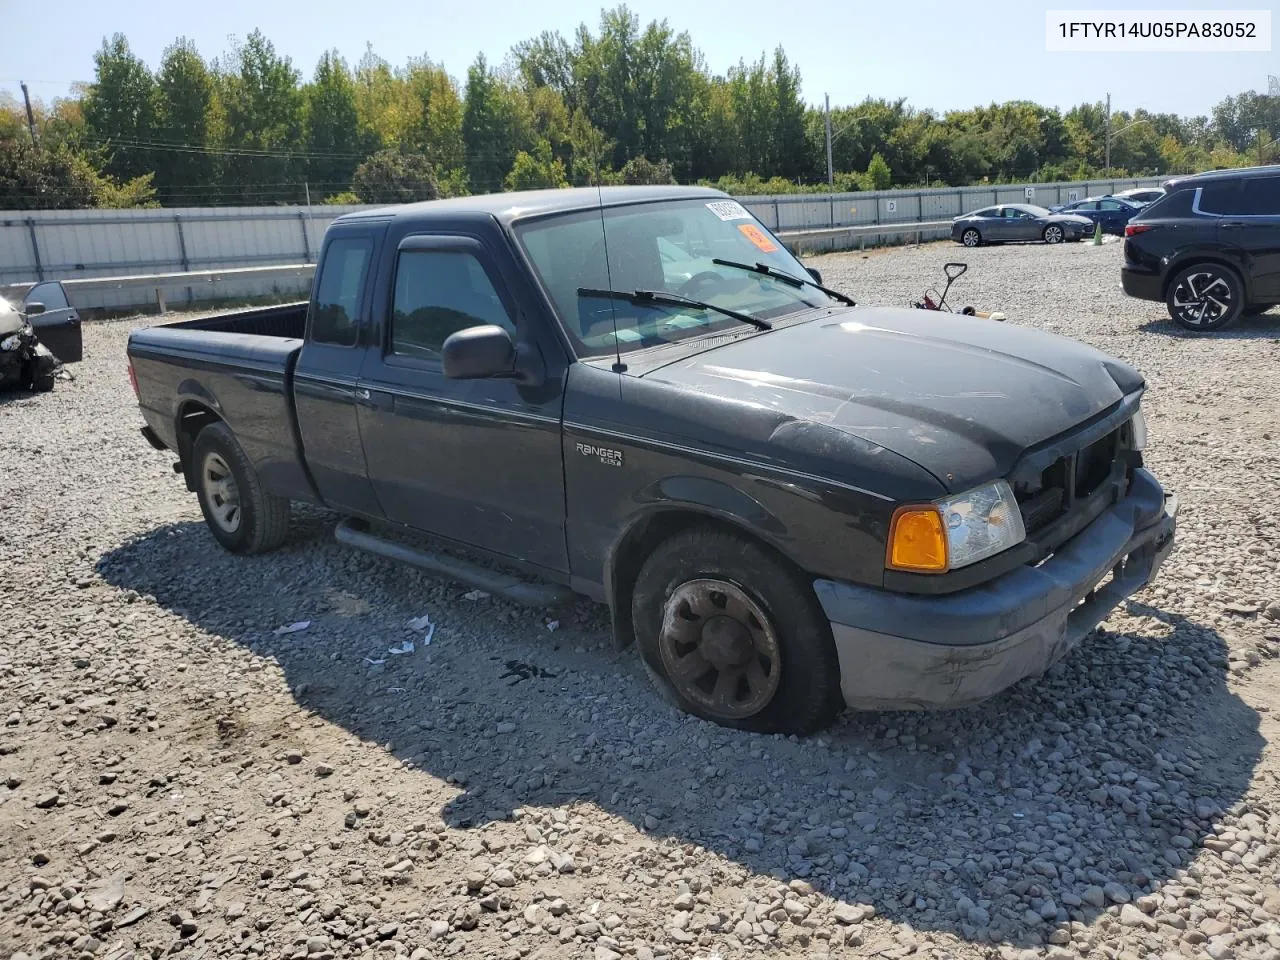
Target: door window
[[50, 294], [1261, 197], [335, 313], [438, 293]]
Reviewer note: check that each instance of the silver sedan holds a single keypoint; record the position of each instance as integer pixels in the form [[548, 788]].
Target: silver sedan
[[1018, 221]]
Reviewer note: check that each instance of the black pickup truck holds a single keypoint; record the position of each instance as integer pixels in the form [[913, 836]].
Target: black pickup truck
[[791, 504]]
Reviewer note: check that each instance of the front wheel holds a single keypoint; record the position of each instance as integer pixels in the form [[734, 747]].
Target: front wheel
[[1205, 297], [971, 238], [733, 635], [1053, 233], [241, 515]]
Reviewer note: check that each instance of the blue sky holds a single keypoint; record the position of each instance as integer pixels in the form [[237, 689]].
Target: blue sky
[[945, 55]]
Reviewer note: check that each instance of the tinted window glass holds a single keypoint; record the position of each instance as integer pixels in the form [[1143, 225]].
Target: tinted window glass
[[346, 261], [1261, 196], [1176, 204], [439, 292], [50, 294], [1110, 205], [1222, 197]]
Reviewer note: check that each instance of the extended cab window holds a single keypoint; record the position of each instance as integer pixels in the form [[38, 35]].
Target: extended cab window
[[439, 292], [346, 261]]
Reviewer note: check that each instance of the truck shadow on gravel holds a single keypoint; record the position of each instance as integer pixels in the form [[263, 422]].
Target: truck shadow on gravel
[[998, 824]]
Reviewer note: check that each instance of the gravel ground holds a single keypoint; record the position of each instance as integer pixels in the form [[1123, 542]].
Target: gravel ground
[[179, 777]]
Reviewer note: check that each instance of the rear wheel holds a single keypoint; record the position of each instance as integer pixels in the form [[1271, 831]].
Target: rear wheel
[[971, 238], [241, 515], [733, 635], [1205, 297], [1053, 233]]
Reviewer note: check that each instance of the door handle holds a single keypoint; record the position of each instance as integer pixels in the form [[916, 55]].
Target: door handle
[[362, 394]]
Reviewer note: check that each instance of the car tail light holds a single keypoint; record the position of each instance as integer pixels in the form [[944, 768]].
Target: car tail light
[[1133, 229], [133, 381]]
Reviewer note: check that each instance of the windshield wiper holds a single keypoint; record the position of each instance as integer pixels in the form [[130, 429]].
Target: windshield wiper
[[777, 274], [667, 298]]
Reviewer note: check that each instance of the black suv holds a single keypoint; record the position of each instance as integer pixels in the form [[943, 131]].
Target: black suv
[[1209, 248]]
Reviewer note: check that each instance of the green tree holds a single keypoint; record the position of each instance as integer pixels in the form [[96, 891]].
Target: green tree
[[390, 176], [792, 157], [120, 109], [334, 141], [642, 171], [185, 115], [265, 120], [496, 125], [879, 176], [536, 170], [436, 112]]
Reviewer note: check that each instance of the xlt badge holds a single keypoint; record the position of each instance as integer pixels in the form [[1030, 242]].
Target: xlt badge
[[612, 458]]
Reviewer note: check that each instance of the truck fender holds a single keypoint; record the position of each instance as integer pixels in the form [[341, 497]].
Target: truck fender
[[669, 505]]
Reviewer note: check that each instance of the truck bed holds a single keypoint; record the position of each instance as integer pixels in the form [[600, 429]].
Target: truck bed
[[287, 320], [237, 366]]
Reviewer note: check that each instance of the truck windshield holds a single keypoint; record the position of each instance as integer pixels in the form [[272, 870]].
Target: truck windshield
[[670, 247]]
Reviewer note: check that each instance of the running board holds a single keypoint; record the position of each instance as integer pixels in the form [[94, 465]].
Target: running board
[[499, 584]]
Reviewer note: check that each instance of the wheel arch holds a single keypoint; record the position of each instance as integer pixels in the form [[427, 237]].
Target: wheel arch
[[646, 530], [192, 417]]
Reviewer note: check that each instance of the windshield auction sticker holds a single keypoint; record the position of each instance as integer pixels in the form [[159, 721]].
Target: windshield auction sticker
[[758, 237], [1162, 31], [729, 210]]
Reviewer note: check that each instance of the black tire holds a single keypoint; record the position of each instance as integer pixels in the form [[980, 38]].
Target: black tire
[[799, 690], [43, 382], [1204, 297], [970, 237], [243, 517], [1054, 234]]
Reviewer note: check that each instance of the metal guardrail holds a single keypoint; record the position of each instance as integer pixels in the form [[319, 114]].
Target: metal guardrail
[[865, 230], [161, 282]]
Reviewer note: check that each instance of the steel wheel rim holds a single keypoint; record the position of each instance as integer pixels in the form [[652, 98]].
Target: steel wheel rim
[[1053, 235], [1202, 298], [970, 238], [719, 649], [221, 492]]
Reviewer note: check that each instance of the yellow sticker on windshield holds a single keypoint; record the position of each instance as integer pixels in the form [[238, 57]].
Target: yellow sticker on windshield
[[758, 237]]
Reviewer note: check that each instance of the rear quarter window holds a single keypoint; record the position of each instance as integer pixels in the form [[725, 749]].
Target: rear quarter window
[[1176, 204]]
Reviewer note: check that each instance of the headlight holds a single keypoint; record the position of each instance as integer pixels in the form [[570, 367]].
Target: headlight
[[1139, 424], [955, 532]]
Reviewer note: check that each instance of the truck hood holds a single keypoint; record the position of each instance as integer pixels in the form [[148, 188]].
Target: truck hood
[[960, 396]]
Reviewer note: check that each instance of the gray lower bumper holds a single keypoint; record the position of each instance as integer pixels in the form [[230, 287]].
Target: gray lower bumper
[[906, 652]]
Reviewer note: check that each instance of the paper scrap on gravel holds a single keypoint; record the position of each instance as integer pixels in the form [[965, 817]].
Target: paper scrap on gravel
[[423, 623], [475, 595], [292, 627], [406, 647]]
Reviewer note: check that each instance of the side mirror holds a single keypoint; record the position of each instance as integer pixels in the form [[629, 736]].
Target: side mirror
[[33, 308], [817, 277], [479, 352]]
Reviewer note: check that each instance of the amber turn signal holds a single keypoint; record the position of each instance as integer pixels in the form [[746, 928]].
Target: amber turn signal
[[917, 541]]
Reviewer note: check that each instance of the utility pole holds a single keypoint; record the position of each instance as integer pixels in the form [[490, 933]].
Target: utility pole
[[31, 120], [831, 176], [1108, 163]]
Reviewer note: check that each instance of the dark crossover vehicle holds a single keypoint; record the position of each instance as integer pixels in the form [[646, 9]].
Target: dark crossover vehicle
[[1112, 212], [1018, 221], [789, 503], [1210, 248]]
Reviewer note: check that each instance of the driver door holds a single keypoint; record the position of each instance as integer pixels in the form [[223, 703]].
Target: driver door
[[476, 461]]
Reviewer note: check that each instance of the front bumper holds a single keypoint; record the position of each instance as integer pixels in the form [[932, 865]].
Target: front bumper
[[907, 652]]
